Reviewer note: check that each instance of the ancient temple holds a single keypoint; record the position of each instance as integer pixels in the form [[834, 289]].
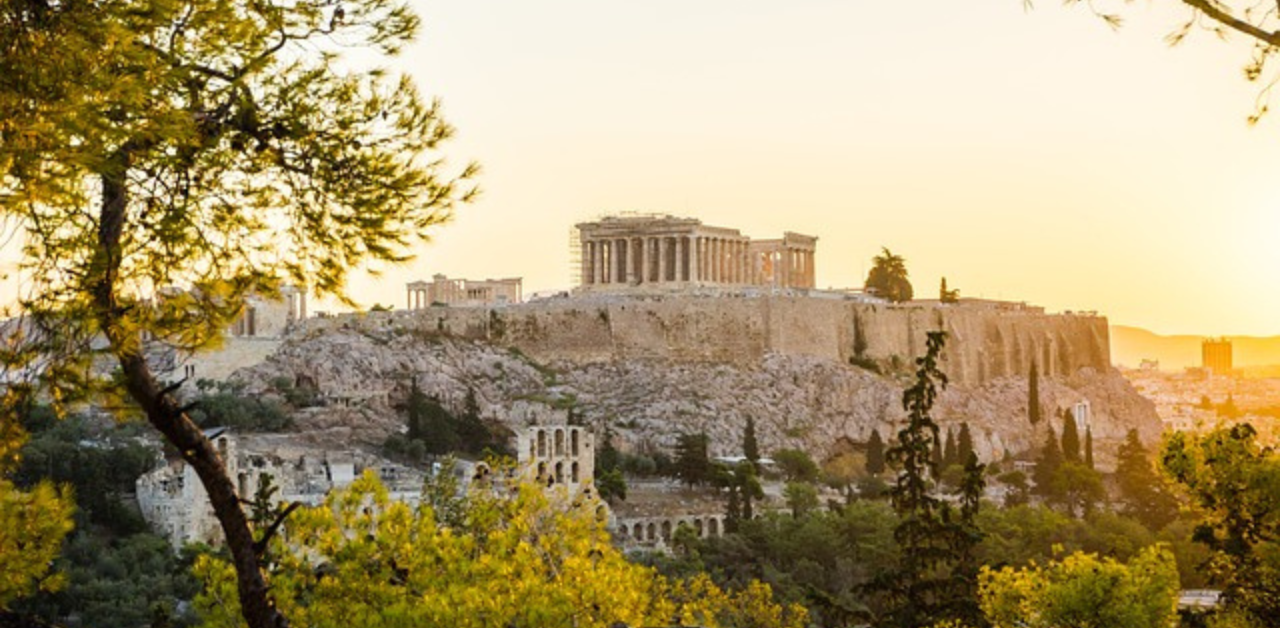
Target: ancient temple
[[655, 250]]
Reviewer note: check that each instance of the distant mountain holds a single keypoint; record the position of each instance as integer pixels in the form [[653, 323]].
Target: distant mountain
[[1131, 345]]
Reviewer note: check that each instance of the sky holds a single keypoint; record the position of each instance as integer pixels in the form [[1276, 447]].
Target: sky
[[1031, 155]]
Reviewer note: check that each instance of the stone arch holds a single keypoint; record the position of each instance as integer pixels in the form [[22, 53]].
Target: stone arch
[[559, 443], [622, 531], [652, 531], [573, 442], [559, 473], [697, 526], [637, 531], [573, 472], [666, 530], [713, 526], [542, 443], [533, 448]]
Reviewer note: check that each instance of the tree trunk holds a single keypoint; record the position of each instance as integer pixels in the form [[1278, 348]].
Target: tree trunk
[[162, 409]]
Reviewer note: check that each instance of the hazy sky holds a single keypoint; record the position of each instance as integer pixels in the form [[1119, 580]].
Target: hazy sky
[[1029, 155]]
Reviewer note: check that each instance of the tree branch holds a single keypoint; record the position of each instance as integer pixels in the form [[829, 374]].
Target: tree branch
[[1213, 12], [260, 545]]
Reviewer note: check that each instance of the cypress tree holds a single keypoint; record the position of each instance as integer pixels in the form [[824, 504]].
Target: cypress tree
[[964, 447], [949, 454], [1047, 466], [875, 453], [1088, 446], [750, 446], [1070, 438], [1033, 394]]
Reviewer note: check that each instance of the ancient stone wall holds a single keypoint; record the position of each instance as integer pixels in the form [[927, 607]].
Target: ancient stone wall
[[986, 343]]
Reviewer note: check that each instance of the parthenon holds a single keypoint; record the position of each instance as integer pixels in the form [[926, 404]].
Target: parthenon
[[624, 251]]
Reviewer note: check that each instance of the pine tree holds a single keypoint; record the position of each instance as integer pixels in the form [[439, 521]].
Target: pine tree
[[750, 446], [416, 411], [875, 453], [922, 590], [1033, 394], [964, 446], [936, 457], [1070, 438], [1142, 494]]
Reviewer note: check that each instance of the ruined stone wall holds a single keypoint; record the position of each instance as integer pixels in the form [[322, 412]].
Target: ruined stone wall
[[986, 343]]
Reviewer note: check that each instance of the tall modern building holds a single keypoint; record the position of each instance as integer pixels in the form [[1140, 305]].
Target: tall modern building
[[1215, 355]]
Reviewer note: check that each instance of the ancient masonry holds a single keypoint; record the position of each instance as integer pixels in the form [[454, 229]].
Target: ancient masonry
[[444, 291], [646, 250]]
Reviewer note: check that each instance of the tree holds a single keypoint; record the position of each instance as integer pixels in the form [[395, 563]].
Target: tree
[[1070, 438], [796, 465], [224, 147], [948, 296], [888, 277], [750, 446], [1033, 395], [693, 465], [924, 588], [1046, 467], [1235, 484], [875, 453], [801, 497], [1085, 590], [362, 559], [1077, 487], [1088, 446], [1221, 16], [964, 446], [33, 522], [950, 455], [1142, 493]]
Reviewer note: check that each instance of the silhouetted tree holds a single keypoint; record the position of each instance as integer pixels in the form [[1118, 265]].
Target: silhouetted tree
[[964, 444], [1142, 492], [1033, 394], [1088, 446], [950, 456], [750, 446], [1047, 466], [1070, 438], [875, 453], [888, 277], [948, 296]]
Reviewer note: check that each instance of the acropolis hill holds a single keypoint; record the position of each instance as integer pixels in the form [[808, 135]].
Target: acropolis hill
[[679, 327]]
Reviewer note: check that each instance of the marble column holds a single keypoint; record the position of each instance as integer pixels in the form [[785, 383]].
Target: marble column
[[680, 259]]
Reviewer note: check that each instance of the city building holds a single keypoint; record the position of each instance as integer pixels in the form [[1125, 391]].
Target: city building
[[1215, 356], [627, 251], [462, 292]]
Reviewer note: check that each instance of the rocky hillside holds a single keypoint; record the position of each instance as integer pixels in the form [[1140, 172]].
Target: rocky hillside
[[363, 372]]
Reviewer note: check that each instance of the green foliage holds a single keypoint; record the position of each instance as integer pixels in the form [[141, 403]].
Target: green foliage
[[950, 455], [964, 445], [1070, 438], [1034, 409], [801, 497], [225, 148], [933, 580], [1019, 490], [33, 522], [1235, 484], [888, 277], [100, 467], [121, 582], [432, 429], [796, 465], [743, 487], [224, 404], [751, 446], [693, 464], [875, 453], [362, 560], [1088, 446], [1143, 495], [1077, 488], [611, 485], [824, 559], [1047, 467], [1084, 590]]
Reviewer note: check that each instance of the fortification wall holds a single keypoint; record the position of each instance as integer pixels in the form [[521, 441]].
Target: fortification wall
[[986, 343]]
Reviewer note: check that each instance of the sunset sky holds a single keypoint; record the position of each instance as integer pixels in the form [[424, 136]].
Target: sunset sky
[[1027, 155]]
